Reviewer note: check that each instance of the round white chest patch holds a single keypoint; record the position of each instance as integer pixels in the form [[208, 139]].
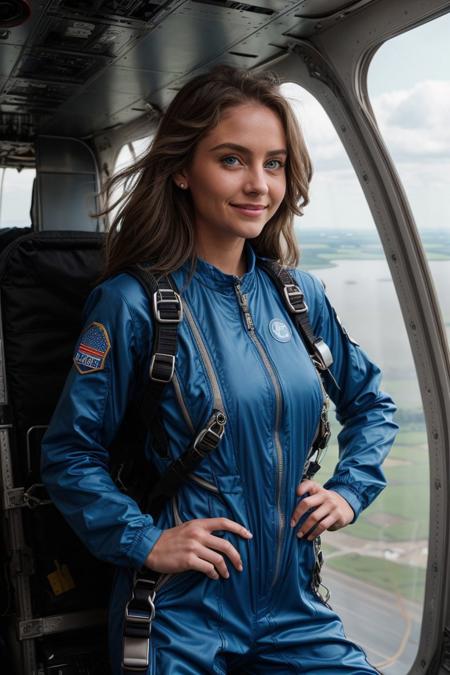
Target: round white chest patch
[[280, 330]]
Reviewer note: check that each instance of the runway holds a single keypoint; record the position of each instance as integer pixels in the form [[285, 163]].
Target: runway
[[385, 625]]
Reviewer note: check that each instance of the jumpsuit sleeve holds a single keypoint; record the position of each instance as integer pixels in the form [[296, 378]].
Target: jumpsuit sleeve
[[365, 412], [75, 459]]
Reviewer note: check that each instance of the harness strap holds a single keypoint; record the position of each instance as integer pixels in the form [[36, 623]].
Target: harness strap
[[319, 353], [140, 609], [178, 472], [322, 359], [139, 614], [167, 309], [294, 300]]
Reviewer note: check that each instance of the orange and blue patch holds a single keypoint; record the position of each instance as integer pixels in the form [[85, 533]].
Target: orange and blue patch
[[92, 350]]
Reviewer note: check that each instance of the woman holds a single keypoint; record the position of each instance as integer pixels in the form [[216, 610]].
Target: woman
[[216, 194]]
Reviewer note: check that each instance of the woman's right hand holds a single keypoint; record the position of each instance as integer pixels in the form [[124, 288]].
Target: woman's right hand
[[191, 546]]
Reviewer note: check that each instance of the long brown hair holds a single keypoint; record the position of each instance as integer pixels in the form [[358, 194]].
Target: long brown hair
[[154, 221]]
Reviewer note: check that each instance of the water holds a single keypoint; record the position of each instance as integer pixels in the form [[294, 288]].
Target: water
[[364, 297]]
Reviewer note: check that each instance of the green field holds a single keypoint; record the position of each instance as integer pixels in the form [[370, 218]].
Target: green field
[[400, 513], [404, 580], [322, 249]]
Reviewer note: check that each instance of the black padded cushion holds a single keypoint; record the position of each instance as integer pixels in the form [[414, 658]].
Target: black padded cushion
[[45, 279]]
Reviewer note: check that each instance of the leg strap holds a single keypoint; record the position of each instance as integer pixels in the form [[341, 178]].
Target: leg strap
[[139, 614]]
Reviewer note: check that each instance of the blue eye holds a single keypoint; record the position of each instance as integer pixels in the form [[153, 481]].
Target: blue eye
[[278, 164], [230, 160]]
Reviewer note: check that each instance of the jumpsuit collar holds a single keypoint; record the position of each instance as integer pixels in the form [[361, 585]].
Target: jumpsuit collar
[[214, 278]]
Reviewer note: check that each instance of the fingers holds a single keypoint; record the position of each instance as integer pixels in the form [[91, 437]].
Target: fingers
[[215, 559], [308, 486], [191, 546], [305, 505], [326, 509], [200, 565], [311, 525], [211, 544], [214, 524], [325, 524], [227, 548]]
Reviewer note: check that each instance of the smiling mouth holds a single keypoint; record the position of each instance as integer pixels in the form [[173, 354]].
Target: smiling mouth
[[250, 207]]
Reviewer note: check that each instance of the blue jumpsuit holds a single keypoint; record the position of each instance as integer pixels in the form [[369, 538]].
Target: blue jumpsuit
[[265, 619]]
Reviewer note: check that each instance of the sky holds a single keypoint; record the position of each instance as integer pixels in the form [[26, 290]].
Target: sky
[[409, 88]]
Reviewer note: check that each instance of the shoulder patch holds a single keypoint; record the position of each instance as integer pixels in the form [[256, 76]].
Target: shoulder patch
[[92, 349]]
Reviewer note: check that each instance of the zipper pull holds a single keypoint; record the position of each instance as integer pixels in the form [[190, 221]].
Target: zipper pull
[[243, 302]]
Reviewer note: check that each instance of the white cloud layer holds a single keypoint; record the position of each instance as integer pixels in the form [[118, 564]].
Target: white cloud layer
[[415, 122], [415, 126]]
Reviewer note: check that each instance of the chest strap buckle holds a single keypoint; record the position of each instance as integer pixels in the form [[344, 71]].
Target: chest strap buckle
[[162, 367], [165, 302], [295, 299]]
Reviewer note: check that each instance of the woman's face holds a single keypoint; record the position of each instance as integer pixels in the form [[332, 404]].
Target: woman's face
[[237, 177]]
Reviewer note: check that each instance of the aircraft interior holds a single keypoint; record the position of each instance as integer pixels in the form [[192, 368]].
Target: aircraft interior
[[83, 86]]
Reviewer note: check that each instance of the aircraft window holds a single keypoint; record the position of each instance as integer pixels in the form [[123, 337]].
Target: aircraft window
[[130, 152], [16, 188], [409, 86], [375, 568], [140, 146], [127, 155]]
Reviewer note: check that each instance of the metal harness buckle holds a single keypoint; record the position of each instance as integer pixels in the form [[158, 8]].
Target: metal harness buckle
[[163, 359], [323, 354], [138, 625], [292, 292], [211, 435], [167, 296]]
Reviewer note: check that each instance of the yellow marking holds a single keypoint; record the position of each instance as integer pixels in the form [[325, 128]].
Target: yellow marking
[[61, 579]]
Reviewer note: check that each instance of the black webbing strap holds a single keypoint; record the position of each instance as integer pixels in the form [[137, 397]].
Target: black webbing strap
[[167, 310], [295, 303], [319, 353], [178, 472], [140, 609]]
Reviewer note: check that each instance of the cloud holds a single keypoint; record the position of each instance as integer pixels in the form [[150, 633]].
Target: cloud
[[320, 135], [414, 122], [415, 125]]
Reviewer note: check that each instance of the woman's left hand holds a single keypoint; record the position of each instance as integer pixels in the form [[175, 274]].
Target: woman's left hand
[[330, 511]]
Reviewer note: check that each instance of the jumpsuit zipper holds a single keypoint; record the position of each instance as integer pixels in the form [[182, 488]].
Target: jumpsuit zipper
[[243, 303]]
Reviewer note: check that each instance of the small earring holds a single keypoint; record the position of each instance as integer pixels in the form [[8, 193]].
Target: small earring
[[182, 186]]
